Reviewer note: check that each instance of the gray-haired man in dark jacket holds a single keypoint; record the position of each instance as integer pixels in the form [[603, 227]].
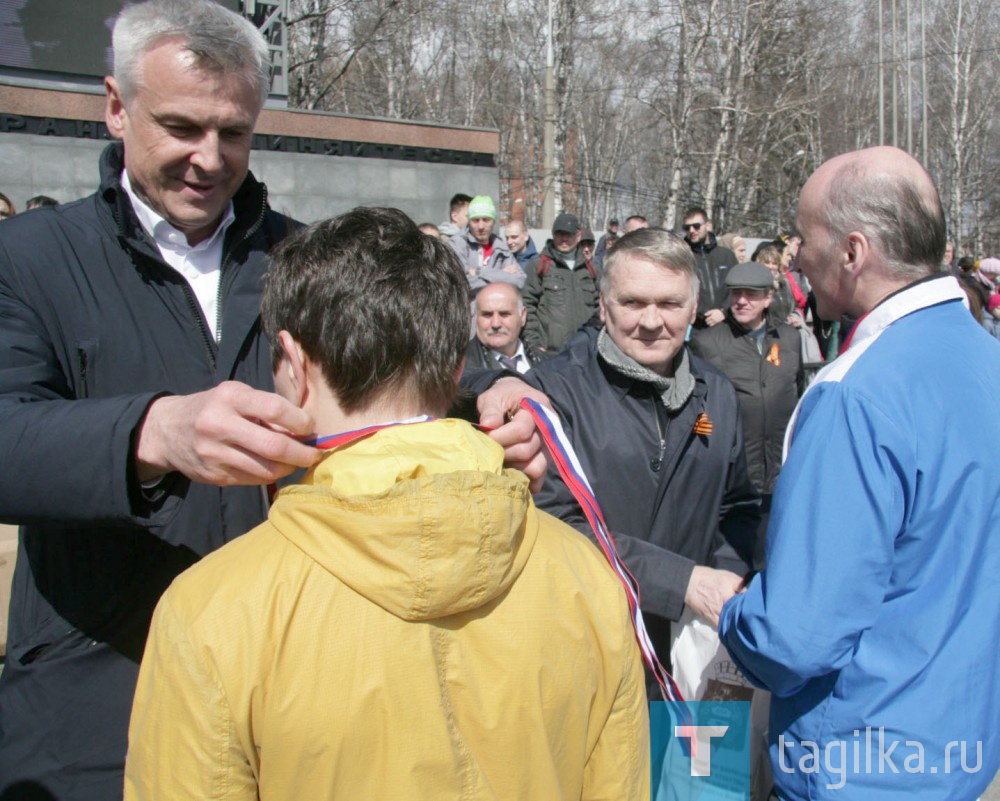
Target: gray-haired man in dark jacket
[[658, 434]]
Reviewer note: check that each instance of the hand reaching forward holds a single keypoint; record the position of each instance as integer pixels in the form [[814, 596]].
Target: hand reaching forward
[[707, 591], [231, 434], [522, 444]]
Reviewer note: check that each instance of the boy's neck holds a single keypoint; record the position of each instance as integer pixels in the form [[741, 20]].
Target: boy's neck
[[332, 419]]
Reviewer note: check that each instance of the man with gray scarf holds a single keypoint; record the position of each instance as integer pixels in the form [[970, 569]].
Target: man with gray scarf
[[659, 436]]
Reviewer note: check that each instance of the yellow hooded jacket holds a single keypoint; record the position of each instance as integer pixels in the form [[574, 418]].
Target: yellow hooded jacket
[[406, 625]]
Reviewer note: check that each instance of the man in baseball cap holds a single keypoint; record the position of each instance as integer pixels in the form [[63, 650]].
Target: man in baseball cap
[[560, 292]]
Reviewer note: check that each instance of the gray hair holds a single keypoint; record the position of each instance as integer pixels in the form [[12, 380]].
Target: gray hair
[[903, 220], [220, 40], [659, 246]]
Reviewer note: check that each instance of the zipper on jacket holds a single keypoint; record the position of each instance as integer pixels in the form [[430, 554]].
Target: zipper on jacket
[[193, 304], [765, 351], [82, 390], [206, 335], [661, 433], [227, 259]]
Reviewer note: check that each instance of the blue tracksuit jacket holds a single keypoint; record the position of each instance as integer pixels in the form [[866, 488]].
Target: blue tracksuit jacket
[[876, 621]]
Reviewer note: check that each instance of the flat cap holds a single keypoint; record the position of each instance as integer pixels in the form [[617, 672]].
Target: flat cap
[[750, 275]]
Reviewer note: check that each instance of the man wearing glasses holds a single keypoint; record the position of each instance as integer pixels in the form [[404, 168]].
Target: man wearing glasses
[[713, 261]]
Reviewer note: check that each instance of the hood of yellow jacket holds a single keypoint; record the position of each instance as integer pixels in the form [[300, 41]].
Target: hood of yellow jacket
[[421, 519]]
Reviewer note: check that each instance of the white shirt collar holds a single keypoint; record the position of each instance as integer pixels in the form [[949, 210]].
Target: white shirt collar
[[522, 363], [163, 233], [931, 291], [200, 265]]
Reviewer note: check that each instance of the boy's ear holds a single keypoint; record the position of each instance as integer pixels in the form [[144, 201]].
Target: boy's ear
[[294, 367]]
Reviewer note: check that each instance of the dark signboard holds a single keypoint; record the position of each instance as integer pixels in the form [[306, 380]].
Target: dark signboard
[[61, 36]]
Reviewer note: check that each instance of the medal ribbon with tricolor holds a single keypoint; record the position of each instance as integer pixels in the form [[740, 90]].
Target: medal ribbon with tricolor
[[332, 441], [569, 467]]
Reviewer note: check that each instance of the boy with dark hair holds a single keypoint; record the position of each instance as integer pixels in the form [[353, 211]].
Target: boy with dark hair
[[406, 624], [458, 215]]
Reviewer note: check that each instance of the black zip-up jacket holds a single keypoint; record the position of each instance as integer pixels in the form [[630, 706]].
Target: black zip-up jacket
[[712, 262], [93, 327], [672, 498], [768, 383]]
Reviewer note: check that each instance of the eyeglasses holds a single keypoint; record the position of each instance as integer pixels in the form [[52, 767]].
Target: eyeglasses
[[692, 226]]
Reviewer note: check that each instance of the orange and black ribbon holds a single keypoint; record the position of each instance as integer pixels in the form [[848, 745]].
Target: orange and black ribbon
[[703, 426]]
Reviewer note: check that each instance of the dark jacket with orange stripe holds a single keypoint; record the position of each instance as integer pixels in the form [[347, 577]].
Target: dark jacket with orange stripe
[[689, 502], [768, 383]]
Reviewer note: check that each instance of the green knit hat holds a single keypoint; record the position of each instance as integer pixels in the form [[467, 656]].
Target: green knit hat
[[482, 206]]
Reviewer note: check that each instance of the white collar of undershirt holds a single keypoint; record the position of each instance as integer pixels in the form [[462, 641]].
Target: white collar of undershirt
[[520, 355], [165, 234], [200, 265]]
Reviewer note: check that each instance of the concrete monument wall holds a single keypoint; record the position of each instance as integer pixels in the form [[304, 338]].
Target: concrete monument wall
[[315, 164]]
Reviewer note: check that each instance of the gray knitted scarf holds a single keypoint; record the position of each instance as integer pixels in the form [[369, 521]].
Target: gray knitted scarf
[[674, 391]]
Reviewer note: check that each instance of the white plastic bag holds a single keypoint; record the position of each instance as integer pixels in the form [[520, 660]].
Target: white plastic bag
[[704, 671]]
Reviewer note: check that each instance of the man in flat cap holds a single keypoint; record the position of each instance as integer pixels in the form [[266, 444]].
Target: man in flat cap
[[762, 357]]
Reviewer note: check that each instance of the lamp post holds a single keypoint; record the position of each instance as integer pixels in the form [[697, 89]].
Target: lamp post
[[895, 67], [909, 85]]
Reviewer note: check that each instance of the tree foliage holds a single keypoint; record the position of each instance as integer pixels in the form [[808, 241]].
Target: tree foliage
[[662, 104]]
